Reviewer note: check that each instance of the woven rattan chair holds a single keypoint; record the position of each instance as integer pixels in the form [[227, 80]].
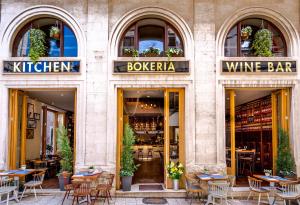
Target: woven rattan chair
[[288, 191], [255, 187], [104, 186], [192, 187], [37, 181]]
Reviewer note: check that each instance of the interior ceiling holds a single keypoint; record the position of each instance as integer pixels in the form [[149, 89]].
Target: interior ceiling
[[63, 99], [143, 94], [244, 96]]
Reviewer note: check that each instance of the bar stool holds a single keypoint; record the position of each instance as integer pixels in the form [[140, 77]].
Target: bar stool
[[150, 153], [140, 153], [248, 161]]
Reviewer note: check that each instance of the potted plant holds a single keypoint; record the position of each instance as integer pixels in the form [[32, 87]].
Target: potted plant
[[246, 32], [65, 152], [91, 169], [268, 172], [285, 161], [130, 52], [37, 44], [262, 44], [175, 170], [174, 52], [128, 166], [55, 32], [151, 52]]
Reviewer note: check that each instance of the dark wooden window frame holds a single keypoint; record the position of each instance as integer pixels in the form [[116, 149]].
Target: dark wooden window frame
[[136, 35], [268, 24], [25, 28]]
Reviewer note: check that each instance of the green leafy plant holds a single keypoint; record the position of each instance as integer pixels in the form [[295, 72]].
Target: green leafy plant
[[91, 167], [247, 30], [49, 148], [262, 44], [128, 166], [175, 170], [285, 160], [37, 44], [151, 52], [64, 149], [131, 52], [171, 52], [54, 32]]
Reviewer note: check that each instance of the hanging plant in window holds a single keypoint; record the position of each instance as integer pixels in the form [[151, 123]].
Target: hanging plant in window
[[151, 52], [262, 44], [130, 52], [246, 32], [55, 32], [37, 44], [174, 52]]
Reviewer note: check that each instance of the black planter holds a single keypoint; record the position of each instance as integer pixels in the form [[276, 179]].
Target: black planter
[[63, 181], [126, 183]]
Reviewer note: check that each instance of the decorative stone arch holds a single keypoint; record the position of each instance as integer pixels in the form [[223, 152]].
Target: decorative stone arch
[[283, 24], [162, 13], [31, 13]]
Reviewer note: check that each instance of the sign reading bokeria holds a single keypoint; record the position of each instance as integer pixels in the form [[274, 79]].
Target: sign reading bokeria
[[259, 66], [151, 66], [41, 66]]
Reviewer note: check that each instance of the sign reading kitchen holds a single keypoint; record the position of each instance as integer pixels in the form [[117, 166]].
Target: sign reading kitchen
[[259, 66], [41, 67]]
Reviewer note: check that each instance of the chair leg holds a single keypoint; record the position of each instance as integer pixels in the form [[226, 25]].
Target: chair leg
[[107, 196], [249, 195], [23, 193], [34, 193], [64, 198], [259, 198], [73, 200], [284, 202], [298, 201], [16, 195], [7, 198], [268, 198], [41, 187]]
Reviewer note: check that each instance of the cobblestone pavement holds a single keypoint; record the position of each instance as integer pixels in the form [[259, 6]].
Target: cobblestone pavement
[[56, 199]]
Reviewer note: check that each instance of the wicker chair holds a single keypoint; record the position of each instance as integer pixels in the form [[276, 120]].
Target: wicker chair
[[218, 190], [104, 186], [7, 186], [192, 187], [288, 191], [255, 187], [37, 181]]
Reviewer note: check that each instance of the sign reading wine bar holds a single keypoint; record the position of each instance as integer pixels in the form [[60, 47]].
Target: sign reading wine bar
[[259, 66], [41, 67], [151, 66]]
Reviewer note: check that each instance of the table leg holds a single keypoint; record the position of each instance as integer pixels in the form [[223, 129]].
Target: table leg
[[209, 199], [272, 193]]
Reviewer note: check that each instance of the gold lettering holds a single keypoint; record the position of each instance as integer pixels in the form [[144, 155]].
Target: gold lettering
[[171, 67], [250, 67], [232, 67], [137, 68], [145, 66], [257, 67], [288, 66], [152, 66], [159, 65], [279, 67], [129, 66], [270, 67]]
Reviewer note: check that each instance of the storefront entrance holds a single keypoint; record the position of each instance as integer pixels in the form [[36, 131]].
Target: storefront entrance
[[157, 118], [34, 115], [253, 118]]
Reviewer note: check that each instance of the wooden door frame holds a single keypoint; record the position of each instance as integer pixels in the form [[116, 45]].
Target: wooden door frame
[[120, 105]]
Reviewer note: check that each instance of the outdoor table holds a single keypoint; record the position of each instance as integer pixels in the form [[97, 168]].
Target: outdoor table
[[239, 152], [211, 177], [272, 180]]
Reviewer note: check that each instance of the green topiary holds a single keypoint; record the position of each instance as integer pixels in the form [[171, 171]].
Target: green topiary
[[64, 149], [37, 44], [262, 44], [127, 160], [285, 160]]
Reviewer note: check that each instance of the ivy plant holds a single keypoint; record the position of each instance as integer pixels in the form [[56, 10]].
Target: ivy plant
[[37, 44], [262, 44]]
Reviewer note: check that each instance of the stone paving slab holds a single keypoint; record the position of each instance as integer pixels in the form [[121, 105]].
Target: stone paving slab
[[56, 199]]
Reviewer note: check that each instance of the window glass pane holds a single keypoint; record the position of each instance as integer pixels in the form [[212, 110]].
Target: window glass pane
[[174, 126], [151, 36], [70, 43], [128, 40], [173, 39], [231, 43], [23, 46]]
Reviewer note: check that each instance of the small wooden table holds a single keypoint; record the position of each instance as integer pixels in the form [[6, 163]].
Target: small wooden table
[[238, 152]]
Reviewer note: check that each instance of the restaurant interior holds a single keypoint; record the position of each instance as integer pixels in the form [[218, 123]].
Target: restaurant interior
[[49, 108], [253, 132]]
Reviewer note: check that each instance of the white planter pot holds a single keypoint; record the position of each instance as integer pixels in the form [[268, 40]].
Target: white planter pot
[[176, 184]]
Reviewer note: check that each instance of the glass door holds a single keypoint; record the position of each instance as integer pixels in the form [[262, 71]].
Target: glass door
[[173, 130]]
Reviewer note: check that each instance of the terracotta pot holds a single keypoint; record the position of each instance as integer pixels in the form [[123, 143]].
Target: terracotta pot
[[65, 174], [56, 36], [244, 36]]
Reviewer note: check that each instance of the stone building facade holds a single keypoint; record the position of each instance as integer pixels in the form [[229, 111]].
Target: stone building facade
[[99, 25]]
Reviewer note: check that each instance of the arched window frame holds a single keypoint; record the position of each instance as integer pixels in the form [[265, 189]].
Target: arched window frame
[[136, 36], [28, 26], [238, 25]]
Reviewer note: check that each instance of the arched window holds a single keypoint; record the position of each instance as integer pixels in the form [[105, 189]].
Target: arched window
[[60, 40], [240, 38], [151, 38]]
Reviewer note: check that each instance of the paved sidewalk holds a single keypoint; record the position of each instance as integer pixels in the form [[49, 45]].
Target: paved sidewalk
[[56, 199]]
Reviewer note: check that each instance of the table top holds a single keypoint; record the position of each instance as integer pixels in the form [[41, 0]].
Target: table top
[[245, 150], [18, 172], [86, 175], [210, 177], [276, 179]]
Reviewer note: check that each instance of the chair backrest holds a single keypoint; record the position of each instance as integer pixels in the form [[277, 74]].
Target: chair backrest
[[290, 188], [231, 180], [39, 177], [4, 182], [218, 188], [82, 187], [254, 183]]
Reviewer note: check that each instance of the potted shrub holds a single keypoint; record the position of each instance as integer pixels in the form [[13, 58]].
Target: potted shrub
[[128, 166], [285, 161], [246, 32], [65, 152], [151, 52], [37, 44], [55, 32], [262, 44], [268, 172], [175, 170], [174, 52], [130, 52]]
